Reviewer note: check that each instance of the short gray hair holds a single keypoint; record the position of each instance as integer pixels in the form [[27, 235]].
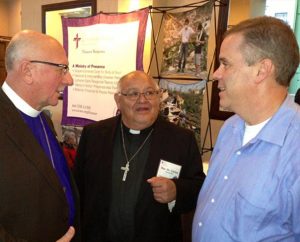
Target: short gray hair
[[271, 38]]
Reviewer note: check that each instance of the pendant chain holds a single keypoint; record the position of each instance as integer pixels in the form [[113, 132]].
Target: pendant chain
[[48, 143], [126, 168]]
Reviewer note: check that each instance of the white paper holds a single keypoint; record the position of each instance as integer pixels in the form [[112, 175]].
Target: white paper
[[168, 170], [96, 65]]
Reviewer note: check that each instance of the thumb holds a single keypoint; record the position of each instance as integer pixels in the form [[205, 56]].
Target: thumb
[[68, 236], [150, 180], [70, 233]]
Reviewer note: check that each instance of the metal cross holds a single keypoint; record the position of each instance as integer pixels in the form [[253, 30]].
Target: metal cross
[[125, 169]]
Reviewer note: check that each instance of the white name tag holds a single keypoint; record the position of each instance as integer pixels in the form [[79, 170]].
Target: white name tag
[[168, 170]]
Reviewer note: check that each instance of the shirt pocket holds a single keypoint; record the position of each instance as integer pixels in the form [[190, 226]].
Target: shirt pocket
[[242, 218]]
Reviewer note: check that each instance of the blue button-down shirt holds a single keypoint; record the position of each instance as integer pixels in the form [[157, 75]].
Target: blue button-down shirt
[[252, 192]]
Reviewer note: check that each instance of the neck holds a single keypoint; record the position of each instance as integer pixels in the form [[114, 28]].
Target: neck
[[21, 90], [137, 126], [264, 106]]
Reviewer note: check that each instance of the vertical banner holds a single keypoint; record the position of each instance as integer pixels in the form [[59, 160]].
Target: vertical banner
[[100, 49], [182, 103], [185, 42]]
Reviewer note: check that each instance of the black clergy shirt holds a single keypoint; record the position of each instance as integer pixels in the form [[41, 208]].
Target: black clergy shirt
[[121, 226]]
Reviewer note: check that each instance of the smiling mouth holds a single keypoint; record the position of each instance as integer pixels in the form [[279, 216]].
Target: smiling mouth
[[222, 89], [142, 109]]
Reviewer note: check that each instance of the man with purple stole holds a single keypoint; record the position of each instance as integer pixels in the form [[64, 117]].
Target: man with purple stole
[[38, 199]]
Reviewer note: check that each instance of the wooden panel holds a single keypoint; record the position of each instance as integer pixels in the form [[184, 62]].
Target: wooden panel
[[3, 45]]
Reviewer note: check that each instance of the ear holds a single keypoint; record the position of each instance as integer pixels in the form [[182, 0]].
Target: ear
[[265, 69], [25, 70], [117, 99]]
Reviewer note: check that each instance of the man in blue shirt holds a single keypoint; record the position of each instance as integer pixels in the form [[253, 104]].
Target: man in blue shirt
[[252, 191]]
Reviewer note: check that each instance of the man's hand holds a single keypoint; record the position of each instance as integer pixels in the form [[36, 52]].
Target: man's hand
[[164, 189], [68, 236]]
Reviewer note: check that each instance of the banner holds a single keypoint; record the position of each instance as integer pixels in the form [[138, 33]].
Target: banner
[[185, 42], [182, 103], [100, 49]]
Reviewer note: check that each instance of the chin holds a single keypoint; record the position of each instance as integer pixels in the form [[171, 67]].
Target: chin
[[225, 108], [143, 124], [53, 103]]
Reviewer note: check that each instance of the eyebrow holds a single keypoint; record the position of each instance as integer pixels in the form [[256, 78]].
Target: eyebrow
[[223, 60]]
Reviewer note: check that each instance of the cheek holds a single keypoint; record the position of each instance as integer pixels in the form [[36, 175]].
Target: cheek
[[237, 87], [231, 78], [156, 107], [52, 85], [125, 107]]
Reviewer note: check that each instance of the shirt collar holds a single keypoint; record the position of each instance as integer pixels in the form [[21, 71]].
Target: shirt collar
[[19, 103], [280, 122], [276, 130]]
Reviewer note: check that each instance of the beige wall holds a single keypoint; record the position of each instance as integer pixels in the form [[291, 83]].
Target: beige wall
[[244, 9], [31, 11], [14, 16], [3, 18]]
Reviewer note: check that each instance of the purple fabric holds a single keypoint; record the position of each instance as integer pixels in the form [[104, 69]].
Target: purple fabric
[[59, 160]]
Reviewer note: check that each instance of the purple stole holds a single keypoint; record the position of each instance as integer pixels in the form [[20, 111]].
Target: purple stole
[[48, 141]]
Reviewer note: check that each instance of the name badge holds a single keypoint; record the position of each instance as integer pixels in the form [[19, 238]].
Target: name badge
[[168, 169]]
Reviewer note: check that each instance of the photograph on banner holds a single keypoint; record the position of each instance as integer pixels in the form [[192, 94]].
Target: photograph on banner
[[185, 42], [98, 58], [181, 103]]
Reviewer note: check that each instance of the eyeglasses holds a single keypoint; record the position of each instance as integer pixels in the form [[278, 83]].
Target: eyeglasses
[[65, 68], [135, 95]]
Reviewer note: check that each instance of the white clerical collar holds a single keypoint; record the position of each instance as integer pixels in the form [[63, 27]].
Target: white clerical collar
[[134, 131], [19, 102]]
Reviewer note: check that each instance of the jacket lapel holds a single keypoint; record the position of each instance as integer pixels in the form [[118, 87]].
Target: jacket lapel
[[20, 134]]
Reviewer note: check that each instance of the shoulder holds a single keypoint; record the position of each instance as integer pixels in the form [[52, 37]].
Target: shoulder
[[232, 122], [101, 126], [98, 132], [171, 129], [230, 126]]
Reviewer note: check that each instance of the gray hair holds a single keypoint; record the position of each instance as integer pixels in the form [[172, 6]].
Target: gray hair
[[269, 38], [135, 74]]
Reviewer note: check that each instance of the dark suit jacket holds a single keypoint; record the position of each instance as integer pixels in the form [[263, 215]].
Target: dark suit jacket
[[297, 96], [33, 206], [153, 221]]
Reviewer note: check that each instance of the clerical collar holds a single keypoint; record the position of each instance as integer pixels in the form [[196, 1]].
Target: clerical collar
[[19, 103], [133, 131]]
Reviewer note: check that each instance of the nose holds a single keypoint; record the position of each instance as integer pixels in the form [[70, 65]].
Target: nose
[[67, 79], [217, 74], [142, 98]]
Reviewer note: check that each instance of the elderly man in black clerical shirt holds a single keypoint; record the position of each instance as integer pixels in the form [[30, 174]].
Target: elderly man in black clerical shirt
[[136, 172]]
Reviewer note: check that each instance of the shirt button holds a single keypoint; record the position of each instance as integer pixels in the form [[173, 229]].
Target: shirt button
[[212, 200], [225, 177], [200, 224], [239, 152]]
